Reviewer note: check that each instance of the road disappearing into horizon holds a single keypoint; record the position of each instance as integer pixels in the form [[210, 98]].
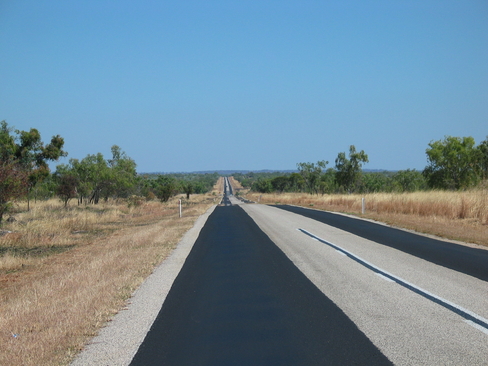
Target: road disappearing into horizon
[[283, 285]]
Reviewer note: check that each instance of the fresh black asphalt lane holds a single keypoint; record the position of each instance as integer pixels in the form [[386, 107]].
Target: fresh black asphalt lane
[[238, 300], [470, 261]]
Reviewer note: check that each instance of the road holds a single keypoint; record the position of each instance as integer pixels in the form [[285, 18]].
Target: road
[[267, 286]]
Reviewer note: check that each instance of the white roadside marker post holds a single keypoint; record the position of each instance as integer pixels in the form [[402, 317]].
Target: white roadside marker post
[[363, 206], [180, 208]]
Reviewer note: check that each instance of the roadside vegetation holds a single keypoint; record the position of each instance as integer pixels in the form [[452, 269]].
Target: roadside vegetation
[[449, 198], [75, 243], [65, 272]]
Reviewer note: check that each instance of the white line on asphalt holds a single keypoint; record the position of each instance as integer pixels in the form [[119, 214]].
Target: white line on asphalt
[[469, 316], [479, 327], [384, 277]]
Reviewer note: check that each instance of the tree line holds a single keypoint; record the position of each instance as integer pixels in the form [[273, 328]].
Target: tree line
[[453, 163], [25, 174]]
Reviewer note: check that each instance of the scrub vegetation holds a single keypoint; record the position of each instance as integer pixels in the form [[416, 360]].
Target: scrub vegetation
[[65, 272], [453, 163], [75, 243], [448, 198]]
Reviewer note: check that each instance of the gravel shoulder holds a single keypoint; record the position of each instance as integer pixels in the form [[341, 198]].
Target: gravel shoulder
[[117, 343]]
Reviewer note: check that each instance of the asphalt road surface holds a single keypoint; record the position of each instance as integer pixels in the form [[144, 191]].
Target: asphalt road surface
[[267, 286], [239, 300]]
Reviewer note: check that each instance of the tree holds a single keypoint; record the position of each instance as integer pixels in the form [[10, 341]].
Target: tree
[[376, 182], [262, 185], [66, 188], [165, 187], [123, 174], [81, 170], [327, 181], [99, 178], [409, 181], [187, 189], [311, 174], [296, 182], [483, 158], [29, 152], [13, 184], [97, 175], [8, 147], [452, 163], [349, 170], [280, 184]]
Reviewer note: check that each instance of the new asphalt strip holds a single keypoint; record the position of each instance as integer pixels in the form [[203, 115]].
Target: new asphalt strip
[[238, 300]]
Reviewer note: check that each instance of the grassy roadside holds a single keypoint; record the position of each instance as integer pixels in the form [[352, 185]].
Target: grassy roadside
[[65, 273], [461, 216]]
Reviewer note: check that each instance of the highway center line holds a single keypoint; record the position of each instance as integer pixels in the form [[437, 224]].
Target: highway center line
[[471, 318]]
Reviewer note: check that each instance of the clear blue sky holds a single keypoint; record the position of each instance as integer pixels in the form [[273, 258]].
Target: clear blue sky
[[206, 85]]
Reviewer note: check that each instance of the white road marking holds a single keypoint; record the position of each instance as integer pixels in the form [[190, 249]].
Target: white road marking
[[479, 327], [471, 318], [384, 277]]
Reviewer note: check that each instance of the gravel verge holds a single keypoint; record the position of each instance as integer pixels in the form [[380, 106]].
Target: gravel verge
[[118, 342]]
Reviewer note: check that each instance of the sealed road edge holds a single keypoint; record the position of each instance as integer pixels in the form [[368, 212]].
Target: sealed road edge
[[117, 343]]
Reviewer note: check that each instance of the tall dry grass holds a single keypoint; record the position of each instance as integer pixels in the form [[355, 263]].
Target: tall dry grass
[[455, 215], [64, 273]]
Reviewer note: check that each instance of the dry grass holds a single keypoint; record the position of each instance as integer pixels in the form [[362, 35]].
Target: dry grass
[[460, 216], [64, 273], [219, 187], [236, 185]]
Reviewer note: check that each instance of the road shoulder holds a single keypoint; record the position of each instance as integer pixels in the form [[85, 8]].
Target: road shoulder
[[117, 343]]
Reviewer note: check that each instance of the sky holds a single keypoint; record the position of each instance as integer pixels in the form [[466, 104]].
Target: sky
[[185, 86]]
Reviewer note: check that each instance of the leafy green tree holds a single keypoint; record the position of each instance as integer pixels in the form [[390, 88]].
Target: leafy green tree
[[348, 171], [99, 178], [45, 189], [296, 183], [409, 181], [83, 171], [262, 185], [280, 184], [452, 163], [311, 174], [376, 182], [123, 174], [201, 187], [187, 189], [165, 187], [29, 152], [483, 158], [8, 147], [327, 181]]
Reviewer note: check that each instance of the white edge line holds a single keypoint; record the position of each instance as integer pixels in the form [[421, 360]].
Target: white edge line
[[477, 326], [474, 315], [384, 277]]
